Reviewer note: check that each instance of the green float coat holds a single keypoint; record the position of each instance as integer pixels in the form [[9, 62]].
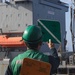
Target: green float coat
[[28, 54]]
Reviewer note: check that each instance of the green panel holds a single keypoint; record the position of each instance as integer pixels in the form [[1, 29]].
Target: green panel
[[50, 30]]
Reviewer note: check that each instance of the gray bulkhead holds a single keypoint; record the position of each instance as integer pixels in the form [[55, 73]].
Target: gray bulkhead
[[16, 15]]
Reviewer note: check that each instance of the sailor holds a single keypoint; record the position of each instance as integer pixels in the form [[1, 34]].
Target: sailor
[[32, 37]]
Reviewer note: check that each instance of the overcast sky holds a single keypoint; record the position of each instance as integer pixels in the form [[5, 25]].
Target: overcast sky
[[68, 20]]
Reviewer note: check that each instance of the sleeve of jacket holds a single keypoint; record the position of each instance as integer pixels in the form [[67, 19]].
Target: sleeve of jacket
[[9, 71], [54, 60]]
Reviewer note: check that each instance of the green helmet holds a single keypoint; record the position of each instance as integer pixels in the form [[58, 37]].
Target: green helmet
[[32, 34]]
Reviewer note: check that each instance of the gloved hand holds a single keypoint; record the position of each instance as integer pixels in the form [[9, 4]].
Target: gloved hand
[[50, 44]]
